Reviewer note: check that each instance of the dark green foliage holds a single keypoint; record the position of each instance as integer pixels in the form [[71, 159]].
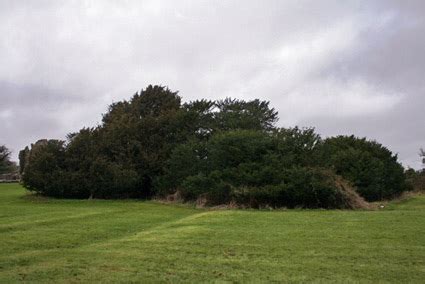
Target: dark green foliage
[[126, 155], [111, 180], [211, 188], [298, 147], [186, 160], [216, 151], [235, 114], [200, 118], [210, 117], [23, 158], [255, 169], [371, 167], [96, 175], [233, 148], [300, 187], [236, 155], [121, 157], [140, 134], [44, 169]]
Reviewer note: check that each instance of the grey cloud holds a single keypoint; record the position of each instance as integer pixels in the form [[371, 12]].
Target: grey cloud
[[343, 66], [23, 95], [391, 58], [30, 112]]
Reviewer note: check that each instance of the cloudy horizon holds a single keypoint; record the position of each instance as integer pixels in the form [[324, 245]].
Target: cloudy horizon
[[352, 67]]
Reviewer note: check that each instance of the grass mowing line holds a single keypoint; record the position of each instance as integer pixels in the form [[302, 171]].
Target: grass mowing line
[[133, 236], [162, 227], [62, 220], [51, 221], [106, 239]]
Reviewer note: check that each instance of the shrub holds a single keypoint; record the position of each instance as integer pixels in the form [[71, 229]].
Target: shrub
[[186, 160], [111, 180], [303, 187], [372, 168], [212, 188], [240, 156], [45, 167], [256, 168], [232, 148]]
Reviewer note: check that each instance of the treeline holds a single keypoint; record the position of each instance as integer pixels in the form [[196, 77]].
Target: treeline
[[217, 152], [8, 169], [6, 165], [416, 179]]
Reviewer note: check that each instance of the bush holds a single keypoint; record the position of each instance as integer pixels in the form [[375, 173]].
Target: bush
[[372, 168], [304, 188], [45, 167], [211, 188], [232, 148], [111, 180], [186, 160], [297, 147], [255, 168], [238, 156]]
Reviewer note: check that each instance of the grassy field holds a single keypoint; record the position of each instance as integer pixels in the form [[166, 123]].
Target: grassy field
[[131, 241]]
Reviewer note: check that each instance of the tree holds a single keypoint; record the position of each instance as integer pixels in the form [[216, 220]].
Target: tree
[[5, 163], [298, 146], [200, 118], [206, 117], [422, 154], [23, 158], [82, 149], [233, 114], [235, 154], [44, 169], [140, 134]]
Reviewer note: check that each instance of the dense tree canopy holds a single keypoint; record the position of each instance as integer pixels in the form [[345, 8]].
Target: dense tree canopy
[[220, 151]]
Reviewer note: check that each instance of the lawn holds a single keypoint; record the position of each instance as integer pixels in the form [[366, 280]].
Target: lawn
[[49, 240]]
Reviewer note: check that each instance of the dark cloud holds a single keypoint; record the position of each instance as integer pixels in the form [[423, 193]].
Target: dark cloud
[[16, 95], [343, 66]]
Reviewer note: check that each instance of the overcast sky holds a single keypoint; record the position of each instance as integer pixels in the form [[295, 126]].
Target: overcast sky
[[344, 67]]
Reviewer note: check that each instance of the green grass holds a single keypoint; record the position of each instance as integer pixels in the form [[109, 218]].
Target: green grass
[[48, 240]]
